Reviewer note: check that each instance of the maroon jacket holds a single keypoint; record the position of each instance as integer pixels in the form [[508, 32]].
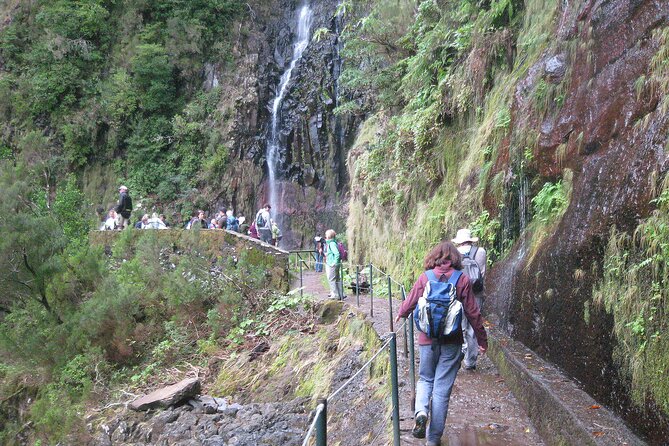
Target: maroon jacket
[[464, 295]]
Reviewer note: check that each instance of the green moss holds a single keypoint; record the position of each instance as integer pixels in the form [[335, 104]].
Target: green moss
[[634, 290]]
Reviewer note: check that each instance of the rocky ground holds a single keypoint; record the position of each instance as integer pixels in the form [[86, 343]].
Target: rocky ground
[[272, 424]]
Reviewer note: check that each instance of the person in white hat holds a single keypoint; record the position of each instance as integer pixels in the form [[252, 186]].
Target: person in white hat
[[474, 259]]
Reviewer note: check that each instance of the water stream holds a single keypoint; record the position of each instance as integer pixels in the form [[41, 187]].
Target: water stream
[[273, 144]]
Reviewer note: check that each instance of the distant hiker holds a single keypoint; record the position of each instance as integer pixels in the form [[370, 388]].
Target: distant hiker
[[110, 223], [333, 265], [155, 222], [243, 226], [276, 234], [213, 224], [231, 222], [474, 265], [204, 224], [253, 231], [263, 224], [440, 354], [142, 224], [162, 218], [319, 253], [222, 218], [123, 208]]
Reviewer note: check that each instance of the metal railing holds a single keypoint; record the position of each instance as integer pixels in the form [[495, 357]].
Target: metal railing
[[318, 425]]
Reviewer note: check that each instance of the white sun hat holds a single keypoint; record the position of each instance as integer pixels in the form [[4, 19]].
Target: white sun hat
[[464, 236]]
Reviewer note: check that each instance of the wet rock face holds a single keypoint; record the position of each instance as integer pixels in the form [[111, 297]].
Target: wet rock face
[[612, 157], [273, 424], [312, 139]]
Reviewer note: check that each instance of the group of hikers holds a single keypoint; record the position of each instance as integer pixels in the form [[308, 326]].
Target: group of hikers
[[444, 302], [445, 305], [263, 227]]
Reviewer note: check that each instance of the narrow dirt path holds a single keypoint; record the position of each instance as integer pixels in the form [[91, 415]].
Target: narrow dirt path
[[482, 412]]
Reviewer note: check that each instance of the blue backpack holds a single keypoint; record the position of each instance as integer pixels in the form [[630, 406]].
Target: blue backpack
[[439, 312]]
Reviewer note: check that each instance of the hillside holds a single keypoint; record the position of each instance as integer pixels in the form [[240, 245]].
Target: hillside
[[541, 125]]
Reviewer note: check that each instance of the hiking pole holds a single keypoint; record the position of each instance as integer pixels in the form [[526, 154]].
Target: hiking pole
[[390, 303], [322, 424], [357, 284], [395, 389], [371, 291], [406, 345]]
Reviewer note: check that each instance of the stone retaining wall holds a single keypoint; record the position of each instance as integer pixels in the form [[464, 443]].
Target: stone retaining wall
[[213, 243]]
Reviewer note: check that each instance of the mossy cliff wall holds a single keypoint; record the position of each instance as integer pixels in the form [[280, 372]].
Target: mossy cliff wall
[[542, 135]]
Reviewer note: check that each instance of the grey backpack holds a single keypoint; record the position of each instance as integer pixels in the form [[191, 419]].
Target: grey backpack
[[472, 269]]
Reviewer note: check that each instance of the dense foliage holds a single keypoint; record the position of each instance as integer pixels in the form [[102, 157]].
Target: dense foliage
[[76, 323], [92, 81]]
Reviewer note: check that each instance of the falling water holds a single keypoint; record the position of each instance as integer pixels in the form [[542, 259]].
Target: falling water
[[273, 149]]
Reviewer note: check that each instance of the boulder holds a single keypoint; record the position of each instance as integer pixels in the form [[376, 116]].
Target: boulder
[[168, 396]]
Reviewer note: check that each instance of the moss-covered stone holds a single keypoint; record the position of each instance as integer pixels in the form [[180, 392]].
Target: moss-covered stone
[[214, 244]]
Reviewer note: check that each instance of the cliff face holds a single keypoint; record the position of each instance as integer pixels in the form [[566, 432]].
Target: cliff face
[[312, 139], [567, 142], [611, 133]]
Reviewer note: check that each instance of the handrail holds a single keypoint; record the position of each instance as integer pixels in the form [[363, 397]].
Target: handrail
[[319, 423], [379, 351]]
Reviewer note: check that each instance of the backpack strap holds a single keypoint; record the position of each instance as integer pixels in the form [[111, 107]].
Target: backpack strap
[[431, 276], [453, 280], [472, 252]]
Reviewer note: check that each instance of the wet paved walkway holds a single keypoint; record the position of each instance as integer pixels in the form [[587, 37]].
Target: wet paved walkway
[[482, 412]]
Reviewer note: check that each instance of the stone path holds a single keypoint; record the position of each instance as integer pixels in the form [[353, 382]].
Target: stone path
[[482, 411]]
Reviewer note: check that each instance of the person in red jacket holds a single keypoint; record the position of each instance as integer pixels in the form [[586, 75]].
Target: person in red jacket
[[440, 361]]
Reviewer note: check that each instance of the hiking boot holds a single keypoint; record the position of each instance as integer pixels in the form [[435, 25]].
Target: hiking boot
[[432, 443], [470, 367], [418, 430]]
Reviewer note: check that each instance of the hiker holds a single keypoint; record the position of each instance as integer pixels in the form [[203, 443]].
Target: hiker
[[440, 354], [319, 247], [162, 219], [123, 208], [243, 226], [231, 222], [474, 265], [142, 224], [276, 234], [221, 217], [213, 224], [202, 220], [110, 223], [155, 222], [198, 221], [253, 231], [263, 223], [333, 265]]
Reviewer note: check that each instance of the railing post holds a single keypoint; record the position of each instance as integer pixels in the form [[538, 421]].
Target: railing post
[[406, 342], [322, 424], [395, 389], [390, 303], [357, 284], [371, 291], [301, 281], [412, 363]]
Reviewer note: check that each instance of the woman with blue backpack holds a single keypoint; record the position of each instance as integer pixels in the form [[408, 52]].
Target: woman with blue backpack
[[439, 300]]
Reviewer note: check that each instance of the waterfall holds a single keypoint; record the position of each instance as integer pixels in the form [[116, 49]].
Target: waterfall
[[273, 149]]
